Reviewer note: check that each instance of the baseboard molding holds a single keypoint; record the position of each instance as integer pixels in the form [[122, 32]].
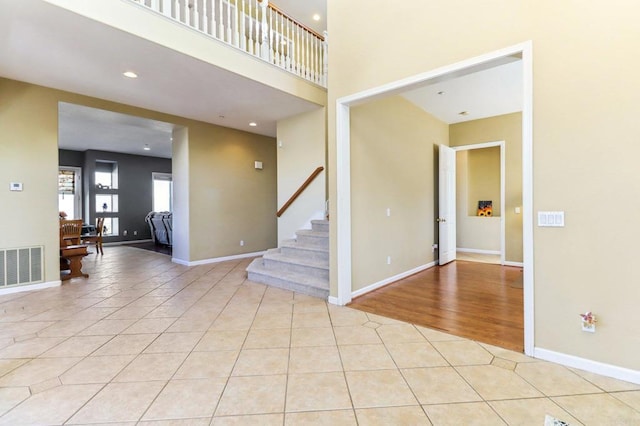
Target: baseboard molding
[[332, 300], [516, 264], [596, 367], [384, 282], [478, 251], [216, 259], [29, 287]]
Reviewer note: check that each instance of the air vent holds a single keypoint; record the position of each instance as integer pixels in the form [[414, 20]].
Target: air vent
[[20, 266]]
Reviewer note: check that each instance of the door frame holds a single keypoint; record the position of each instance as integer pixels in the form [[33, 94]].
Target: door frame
[[503, 181], [342, 223]]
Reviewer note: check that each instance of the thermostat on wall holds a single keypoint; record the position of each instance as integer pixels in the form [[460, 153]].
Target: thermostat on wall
[[258, 165], [15, 186]]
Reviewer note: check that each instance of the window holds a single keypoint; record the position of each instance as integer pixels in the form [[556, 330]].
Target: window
[[70, 192], [162, 192]]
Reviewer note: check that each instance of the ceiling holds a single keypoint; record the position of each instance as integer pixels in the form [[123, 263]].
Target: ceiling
[[39, 44]]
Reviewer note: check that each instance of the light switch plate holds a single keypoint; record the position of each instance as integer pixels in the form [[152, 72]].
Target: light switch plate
[[551, 219], [15, 186]]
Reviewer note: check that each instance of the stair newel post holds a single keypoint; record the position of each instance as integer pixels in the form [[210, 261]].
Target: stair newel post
[[264, 30], [325, 58]]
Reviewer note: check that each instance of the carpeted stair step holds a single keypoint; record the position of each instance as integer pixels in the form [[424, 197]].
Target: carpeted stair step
[[320, 225], [313, 238], [274, 259], [293, 248], [287, 280]]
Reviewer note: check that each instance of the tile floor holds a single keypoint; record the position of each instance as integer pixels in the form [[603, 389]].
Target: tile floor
[[144, 341]]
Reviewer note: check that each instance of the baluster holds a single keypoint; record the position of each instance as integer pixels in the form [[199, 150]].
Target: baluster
[[236, 35], [220, 20], [205, 17], [313, 58], [290, 46], [243, 34], [283, 41], [256, 45], [305, 52], [195, 15], [250, 41], [271, 36], [165, 5], [155, 5], [265, 42], [325, 58], [229, 40], [276, 40]]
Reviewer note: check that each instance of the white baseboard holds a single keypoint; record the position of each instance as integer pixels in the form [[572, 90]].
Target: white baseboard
[[478, 251], [596, 367], [516, 264], [216, 259], [332, 300], [29, 287], [389, 280]]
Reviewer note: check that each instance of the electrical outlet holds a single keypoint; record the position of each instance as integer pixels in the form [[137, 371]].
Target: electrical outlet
[[135, 232], [388, 260], [124, 232], [434, 247], [241, 242]]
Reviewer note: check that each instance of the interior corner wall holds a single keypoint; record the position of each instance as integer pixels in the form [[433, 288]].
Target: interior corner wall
[[29, 155], [472, 179], [393, 145], [229, 200], [585, 140], [508, 128], [301, 149], [180, 218]]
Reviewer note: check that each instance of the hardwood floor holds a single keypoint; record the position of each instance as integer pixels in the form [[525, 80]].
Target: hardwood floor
[[478, 301]]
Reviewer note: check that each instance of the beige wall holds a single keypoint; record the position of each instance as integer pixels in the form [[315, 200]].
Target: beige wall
[[472, 231], [484, 179], [508, 128], [302, 142], [392, 148], [228, 199], [585, 131]]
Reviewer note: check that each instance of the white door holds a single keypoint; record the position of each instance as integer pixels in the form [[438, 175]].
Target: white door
[[447, 204]]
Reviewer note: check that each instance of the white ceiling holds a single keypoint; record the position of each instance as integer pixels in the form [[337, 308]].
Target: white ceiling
[[485, 93], [40, 44]]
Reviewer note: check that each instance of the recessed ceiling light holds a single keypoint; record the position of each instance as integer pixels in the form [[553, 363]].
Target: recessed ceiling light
[[316, 17], [146, 147], [130, 74], [253, 124], [463, 113]]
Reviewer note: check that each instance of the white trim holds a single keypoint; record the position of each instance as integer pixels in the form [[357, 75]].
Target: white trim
[[343, 170], [29, 287], [503, 188], [514, 264], [332, 300], [393, 279], [343, 204], [596, 367], [216, 259], [527, 196], [478, 251]]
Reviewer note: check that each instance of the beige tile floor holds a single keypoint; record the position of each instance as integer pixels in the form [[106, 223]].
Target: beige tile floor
[[145, 341]]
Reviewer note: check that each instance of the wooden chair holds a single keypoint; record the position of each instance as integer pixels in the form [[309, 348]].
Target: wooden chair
[[97, 239], [70, 231]]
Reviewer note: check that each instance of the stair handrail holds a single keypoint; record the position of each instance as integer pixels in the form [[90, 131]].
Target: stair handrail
[[300, 190]]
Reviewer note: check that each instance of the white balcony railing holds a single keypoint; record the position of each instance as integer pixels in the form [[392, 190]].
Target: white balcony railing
[[257, 28]]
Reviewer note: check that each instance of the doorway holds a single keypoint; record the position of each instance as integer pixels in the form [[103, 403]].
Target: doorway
[[343, 257], [70, 191]]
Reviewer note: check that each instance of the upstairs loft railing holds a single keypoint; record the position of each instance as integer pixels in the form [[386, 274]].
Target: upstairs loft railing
[[255, 27]]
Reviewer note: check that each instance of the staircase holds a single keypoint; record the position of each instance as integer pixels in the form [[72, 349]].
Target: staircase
[[300, 265]]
